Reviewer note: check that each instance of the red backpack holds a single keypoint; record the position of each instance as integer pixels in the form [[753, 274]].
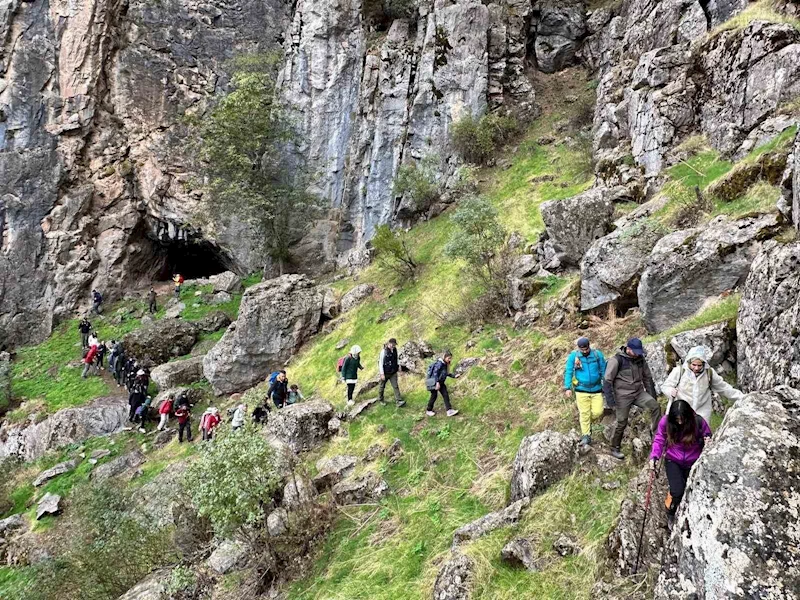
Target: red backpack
[[340, 364]]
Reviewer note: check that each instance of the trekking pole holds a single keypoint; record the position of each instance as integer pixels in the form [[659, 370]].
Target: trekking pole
[[647, 499]]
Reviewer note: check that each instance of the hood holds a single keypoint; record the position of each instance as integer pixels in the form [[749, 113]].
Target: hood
[[696, 352]]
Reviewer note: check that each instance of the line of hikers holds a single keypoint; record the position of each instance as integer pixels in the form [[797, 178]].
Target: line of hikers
[[625, 380], [348, 366]]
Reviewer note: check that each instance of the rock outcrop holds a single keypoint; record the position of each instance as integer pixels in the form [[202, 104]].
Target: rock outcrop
[[355, 297], [178, 372], [454, 579], [302, 426], [690, 267], [157, 343], [118, 466], [53, 472], [735, 533], [275, 318], [67, 426], [49, 505], [369, 487], [488, 523], [769, 320], [542, 459]]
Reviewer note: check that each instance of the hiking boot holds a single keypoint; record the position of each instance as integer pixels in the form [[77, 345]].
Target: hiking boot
[[452, 412], [350, 402], [616, 453], [400, 403], [586, 440], [430, 413]]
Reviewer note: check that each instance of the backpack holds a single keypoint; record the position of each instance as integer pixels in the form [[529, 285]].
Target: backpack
[[180, 279], [98, 297], [431, 367], [340, 364], [273, 377]]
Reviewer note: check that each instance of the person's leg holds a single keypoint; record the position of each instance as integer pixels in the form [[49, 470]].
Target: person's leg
[[445, 396], [162, 422], [350, 389], [677, 477], [189, 430], [85, 370], [432, 400], [584, 402], [647, 403], [396, 388], [381, 389], [181, 427], [132, 413], [623, 411], [84, 340], [204, 435]]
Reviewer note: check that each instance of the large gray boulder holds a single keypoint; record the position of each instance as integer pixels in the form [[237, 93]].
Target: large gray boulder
[[455, 578], [50, 504], [160, 498], [226, 282], [574, 224], [226, 557], [213, 321], [161, 341], [488, 523], [691, 267], [355, 296], [769, 320], [119, 465], [369, 487], [178, 372], [302, 426], [559, 31], [735, 533], [275, 318], [332, 470], [717, 338], [412, 356], [153, 587], [542, 459], [68, 426]]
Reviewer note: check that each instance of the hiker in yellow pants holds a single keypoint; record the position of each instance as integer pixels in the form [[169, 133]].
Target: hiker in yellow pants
[[584, 371]]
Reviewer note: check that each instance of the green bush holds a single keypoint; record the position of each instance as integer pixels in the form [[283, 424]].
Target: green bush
[[417, 182], [393, 251], [477, 140]]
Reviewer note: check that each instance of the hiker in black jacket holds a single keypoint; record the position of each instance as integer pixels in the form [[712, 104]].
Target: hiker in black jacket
[[437, 384], [85, 327], [388, 368], [279, 390]]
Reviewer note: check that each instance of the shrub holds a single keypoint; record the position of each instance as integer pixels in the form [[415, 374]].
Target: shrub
[[476, 140], [393, 251], [388, 10], [417, 182]]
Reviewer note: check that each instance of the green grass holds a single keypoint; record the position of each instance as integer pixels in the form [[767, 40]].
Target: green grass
[[725, 309], [15, 580], [764, 10], [759, 198]]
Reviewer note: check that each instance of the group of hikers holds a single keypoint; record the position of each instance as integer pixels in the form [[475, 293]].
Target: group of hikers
[[94, 350], [625, 380]]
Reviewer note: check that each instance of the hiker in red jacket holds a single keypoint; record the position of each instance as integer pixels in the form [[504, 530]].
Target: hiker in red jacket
[[184, 414], [209, 422], [88, 361], [164, 411]]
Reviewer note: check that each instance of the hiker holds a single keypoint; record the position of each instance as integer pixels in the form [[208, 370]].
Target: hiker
[[97, 301], [135, 400], [584, 372], [119, 367], [164, 411], [93, 339], [694, 380], [101, 354], [436, 382], [129, 376], [85, 327], [295, 395], [388, 368], [260, 413], [629, 382], [680, 439], [113, 354], [239, 416], [178, 280], [151, 301], [88, 361], [350, 368], [209, 422], [143, 413], [184, 415], [278, 389]]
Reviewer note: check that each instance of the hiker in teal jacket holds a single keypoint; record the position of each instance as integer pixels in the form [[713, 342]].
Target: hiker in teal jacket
[[584, 371]]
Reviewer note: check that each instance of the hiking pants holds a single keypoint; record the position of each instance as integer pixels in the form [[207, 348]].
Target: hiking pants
[[392, 379], [84, 340], [590, 409], [96, 308], [644, 401], [163, 422], [177, 292], [677, 477], [187, 427], [445, 396], [153, 308], [351, 387], [207, 435], [86, 368]]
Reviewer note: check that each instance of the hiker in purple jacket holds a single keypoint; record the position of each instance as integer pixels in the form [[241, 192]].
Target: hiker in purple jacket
[[680, 438]]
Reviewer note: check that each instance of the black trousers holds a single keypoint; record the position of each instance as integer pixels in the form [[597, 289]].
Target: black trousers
[[152, 306], [677, 476], [445, 396], [187, 427], [351, 387], [132, 412]]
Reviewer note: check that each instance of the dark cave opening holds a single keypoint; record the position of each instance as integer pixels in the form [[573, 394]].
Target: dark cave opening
[[194, 259]]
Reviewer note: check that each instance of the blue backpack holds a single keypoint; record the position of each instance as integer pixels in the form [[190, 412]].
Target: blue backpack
[[274, 377]]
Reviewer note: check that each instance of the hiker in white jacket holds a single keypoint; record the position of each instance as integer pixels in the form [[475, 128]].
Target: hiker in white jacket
[[694, 380]]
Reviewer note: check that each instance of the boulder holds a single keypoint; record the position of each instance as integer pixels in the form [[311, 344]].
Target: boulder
[[161, 341], [229, 555], [119, 465], [5, 380], [302, 426], [333, 470], [718, 338], [361, 407], [275, 318], [12, 523], [769, 320], [369, 487], [796, 183], [561, 27], [214, 321], [355, 297], [542, 459], [691, 267], [50, 504], [658, 361], [454, 579], [574, 224], [412, 355], [373, 452], [342, 344], [298, 491], [521, 553], [464, 365], [623, 541], [174, 310], [220, 298], [159, 498], [178, 372], [100, 453], [153, 587], [228, 282], [330, 307], [278, 522], [51, 473], [735, 533], [68, 426], [488, 523], [566, 545]]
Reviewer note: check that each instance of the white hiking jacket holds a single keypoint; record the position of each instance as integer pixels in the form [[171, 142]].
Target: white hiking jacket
[[696, 390]]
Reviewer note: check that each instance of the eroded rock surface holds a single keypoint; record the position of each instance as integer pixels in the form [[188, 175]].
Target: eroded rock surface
[[302, 426], [542, 459]]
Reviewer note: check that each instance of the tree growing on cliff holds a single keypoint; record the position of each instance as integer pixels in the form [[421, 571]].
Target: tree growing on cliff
[[393, 251], [247, 179]]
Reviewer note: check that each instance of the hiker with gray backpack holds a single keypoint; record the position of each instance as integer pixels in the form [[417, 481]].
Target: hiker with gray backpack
[[694, 380], [436, 382], [388, 369]]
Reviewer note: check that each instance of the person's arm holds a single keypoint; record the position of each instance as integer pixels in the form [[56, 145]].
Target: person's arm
[[722, 387], [670, 386], [649, 383], [569, 371], [705, 430], [381, 356], [608, 381], [659, 441], [602, 360], [360, 366]]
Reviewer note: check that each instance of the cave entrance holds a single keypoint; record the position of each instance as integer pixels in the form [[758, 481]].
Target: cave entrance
[[194, 259]]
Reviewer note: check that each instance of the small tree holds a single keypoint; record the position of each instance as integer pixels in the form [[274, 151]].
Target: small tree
[[392, 249], [417, 182], [233, 481], [476, 140], [240, 145]]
